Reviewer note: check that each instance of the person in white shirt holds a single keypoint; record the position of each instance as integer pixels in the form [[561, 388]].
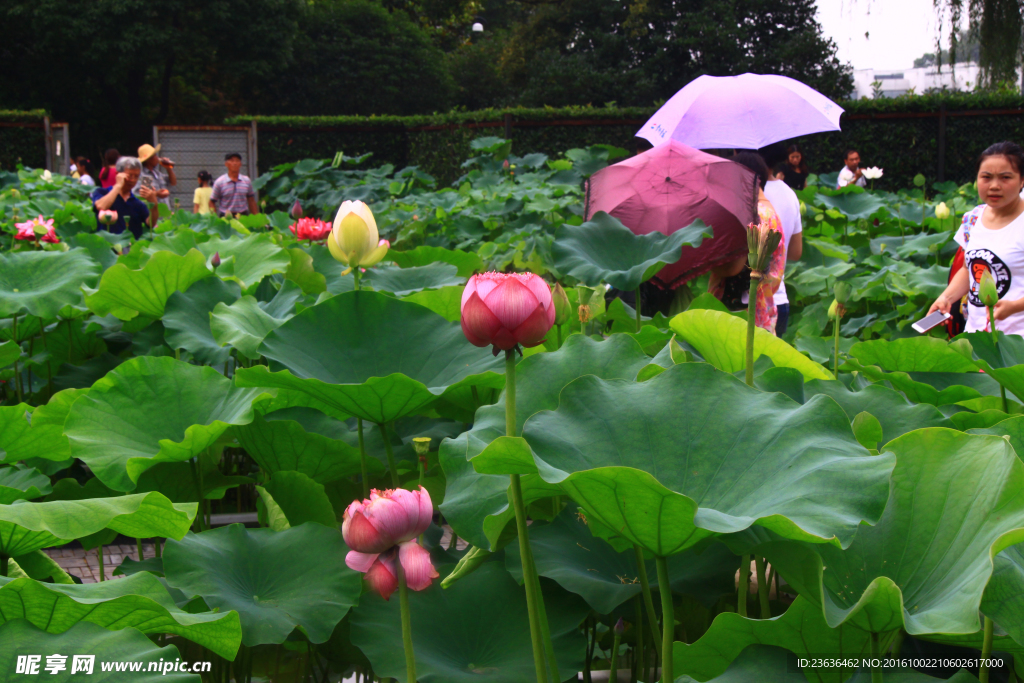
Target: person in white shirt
[[852, 173], [787, 205], [992, 236]]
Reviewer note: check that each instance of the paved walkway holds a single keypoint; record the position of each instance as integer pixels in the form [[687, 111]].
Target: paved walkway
[[86, 565]]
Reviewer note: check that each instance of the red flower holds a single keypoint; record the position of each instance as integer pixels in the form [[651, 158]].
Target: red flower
[[311, 229], [505, 309]]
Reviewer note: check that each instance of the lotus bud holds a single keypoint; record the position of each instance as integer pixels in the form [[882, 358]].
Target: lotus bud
[[504, 310], [942, 211], [620, 627], [987, 291], [842, 291], [215, 261], [14, 192], [296, 212], [354, 240], [47, 176], [803, 209], [473, 558], [836, 311], [562, 307]]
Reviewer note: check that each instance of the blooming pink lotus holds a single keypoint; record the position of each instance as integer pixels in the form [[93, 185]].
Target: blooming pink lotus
[[311, 229], [27, 230], [382, 529], [107, 216], [506, 309]]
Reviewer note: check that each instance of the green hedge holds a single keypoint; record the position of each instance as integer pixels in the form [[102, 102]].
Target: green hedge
[[20, 144], [439, 143]]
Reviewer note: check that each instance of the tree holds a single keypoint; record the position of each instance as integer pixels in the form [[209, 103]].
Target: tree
[[999, 26]]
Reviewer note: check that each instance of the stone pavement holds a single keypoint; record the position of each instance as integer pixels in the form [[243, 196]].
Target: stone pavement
[[86, 565]]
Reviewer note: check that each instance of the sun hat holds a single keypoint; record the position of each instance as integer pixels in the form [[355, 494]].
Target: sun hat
[[146, 151]]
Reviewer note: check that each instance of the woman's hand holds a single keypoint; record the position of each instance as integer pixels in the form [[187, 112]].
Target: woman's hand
[[1005, 308], [944, 304]]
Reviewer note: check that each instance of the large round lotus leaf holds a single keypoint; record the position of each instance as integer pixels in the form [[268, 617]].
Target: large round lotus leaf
[[26, 526], [466, 262], [187, 319], [244, 324], [139, 601], [1004, 363], [151, 410], [914, 354], [566, 552], [476, 505], [1011, 428], [247, 261], [721, 339], [445, 301], [372, 356], [9, 352], [22, 483], [404, 281], [957, 500], [604, 250], [693, 453], [1003, 600], [300, 499], [895, 414], [801, 630], [21, 638], [126, 293], [281, 445], [853, 204], [275, 580], [40, 283], [459, 636]]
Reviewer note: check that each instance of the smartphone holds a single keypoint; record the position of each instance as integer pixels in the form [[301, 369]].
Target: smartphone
[[146, 182], [931, 321]]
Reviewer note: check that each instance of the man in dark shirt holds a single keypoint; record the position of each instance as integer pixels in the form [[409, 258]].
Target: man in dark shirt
[[120, 198]]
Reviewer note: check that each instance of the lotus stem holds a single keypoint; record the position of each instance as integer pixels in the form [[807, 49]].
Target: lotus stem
[[986, 650], [199, 492], [17, 375], [545, 627], [3, 564], [355, 277], [613, 669], [529, 571], [638, 647], [138, 543], [744, 587], [876, 669], [558, 335], [403, 599], [99, 556], [995, 343], [362, 459], [638, 322], [49, 368], [157, 550], [762, 588], [751, 320], [391, 454], [645, 585], [668, 620], [835, 335]]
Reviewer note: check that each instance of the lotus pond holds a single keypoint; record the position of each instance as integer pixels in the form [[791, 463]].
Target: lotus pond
[[684, 524]]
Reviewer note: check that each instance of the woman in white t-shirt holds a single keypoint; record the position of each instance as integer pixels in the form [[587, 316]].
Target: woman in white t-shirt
[[995, 243]]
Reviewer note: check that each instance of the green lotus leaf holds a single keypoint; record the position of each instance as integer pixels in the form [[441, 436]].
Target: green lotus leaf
[[477, 505], [1011, 428], [822, 349], [151, 410], [604, 250], [21, 638], [913, 354], [1003, 600], [40, 283], [9, 352], [244, 324], [271, 514], [566, 552], [127, 293], [301, 272], [39, 566], [458, 635], [934, 388], [466, 262], [967, 420], [895, 414], [855, 205], [187, 319], [372, 356], [404, 281], [280, 445], [73, 341], [721, 338], [1004, 363], [332, 270], [801, 630], [22, 483], [694, 452], [26, 526], [956, 502], [445, 301], [177, 481], [275, 580], [301, 499], [139, 601], [251, 259]]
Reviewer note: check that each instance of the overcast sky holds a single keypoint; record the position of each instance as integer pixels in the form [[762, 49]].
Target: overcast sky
[[898, 31]]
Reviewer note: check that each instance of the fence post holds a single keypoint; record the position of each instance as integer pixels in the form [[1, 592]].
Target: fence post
[[942, 142], [255, 149], [48, 143], [508, 126]]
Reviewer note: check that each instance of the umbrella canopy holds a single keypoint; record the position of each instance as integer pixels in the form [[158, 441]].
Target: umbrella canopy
[[749, 111], [668, 188]]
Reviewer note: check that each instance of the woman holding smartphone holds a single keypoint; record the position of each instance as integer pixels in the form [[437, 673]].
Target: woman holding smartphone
[[992, 236]]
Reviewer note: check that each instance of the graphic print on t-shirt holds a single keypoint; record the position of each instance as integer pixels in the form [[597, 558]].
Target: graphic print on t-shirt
[[978, 261]]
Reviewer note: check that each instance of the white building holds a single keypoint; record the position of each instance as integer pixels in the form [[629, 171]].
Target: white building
[[895, 82]]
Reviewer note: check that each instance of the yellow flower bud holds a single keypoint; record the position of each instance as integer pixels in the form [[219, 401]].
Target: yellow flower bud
[[942, 211], [354, 239]]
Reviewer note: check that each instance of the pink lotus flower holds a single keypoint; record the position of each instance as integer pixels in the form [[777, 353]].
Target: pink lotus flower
[[506, 309], [311, 229], [27, 230], [107, 216], [383, 529]]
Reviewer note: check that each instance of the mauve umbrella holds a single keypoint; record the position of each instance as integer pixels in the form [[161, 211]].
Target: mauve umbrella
[[668, 188], [749, 111]]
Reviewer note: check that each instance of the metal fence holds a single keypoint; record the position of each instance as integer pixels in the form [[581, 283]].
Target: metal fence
[[202, 148]]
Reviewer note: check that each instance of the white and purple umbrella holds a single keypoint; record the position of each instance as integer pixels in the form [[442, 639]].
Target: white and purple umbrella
[[749, 111]]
